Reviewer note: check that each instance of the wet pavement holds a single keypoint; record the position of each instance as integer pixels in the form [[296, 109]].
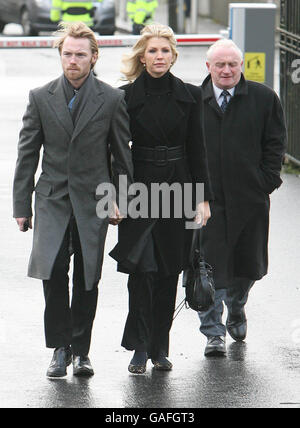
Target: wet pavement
[[264, 371]]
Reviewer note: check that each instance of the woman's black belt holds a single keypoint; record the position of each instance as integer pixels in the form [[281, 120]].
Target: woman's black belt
[[159, 155]]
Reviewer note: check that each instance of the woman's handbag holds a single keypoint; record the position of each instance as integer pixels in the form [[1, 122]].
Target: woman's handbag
[[198, 279]]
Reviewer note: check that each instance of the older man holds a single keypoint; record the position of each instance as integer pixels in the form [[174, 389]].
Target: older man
[[78, 120], [246, 138]]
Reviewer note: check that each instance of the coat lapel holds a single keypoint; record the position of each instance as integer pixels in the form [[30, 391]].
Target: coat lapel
[[209, 96], [137, 98], [94, 100], [173, 115], [57, 102]]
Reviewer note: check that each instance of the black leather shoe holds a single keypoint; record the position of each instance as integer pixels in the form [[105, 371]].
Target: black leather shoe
[[216, 347], [162, 363], [82, 366], [61, 359], [237, 326]]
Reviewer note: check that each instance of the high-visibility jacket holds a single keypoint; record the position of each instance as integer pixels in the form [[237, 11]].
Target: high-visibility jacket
[[141, 11], [71, 11]]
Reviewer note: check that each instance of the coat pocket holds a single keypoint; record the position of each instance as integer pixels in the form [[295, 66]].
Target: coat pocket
[[270, 181], [43, 187]]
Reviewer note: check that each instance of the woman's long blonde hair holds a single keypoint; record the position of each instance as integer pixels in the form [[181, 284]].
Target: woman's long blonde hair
[[132, 66]]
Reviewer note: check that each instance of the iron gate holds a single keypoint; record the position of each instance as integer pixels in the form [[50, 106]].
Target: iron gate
[[290, 73]]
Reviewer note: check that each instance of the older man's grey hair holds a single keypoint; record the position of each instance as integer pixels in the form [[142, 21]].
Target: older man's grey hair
[[223, 43]]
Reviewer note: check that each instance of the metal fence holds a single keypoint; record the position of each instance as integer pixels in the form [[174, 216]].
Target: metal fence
[[290, 73]]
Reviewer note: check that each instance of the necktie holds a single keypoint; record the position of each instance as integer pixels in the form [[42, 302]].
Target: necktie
[[224, 104], [70, 105]]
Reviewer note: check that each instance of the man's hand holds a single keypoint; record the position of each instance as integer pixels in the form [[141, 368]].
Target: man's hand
[[24, 223], [115, 217], [202, 213]]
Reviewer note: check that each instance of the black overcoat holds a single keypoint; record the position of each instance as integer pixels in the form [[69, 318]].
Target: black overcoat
[[182, 126], [245, 148]]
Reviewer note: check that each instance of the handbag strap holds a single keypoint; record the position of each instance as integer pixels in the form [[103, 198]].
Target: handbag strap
[[197, 240]]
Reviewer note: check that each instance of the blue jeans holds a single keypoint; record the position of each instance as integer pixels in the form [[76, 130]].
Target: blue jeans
[[235, 297]]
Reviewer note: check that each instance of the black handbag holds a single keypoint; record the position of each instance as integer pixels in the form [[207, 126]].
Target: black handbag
[[198, 279]]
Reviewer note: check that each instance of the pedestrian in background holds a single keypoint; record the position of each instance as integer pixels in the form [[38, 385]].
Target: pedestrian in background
[[246, 139], [73, 11], [168, 147], [77, 120], [141, 13]]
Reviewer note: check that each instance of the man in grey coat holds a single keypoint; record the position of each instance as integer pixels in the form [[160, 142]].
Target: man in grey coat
[[245, 138], [79, 122]]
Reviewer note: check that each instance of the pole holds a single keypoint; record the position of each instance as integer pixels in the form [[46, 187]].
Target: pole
[[122, 10], [181, 16], [204, 7], [194, 16], [172, 9]]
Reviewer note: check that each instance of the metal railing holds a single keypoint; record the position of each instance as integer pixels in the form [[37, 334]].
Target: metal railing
[[290, 73]]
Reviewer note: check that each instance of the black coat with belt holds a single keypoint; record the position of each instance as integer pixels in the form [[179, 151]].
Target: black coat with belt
[[245, 148], [181, 124]]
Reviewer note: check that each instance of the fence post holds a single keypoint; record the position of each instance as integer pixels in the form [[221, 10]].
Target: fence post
[[290, 73]]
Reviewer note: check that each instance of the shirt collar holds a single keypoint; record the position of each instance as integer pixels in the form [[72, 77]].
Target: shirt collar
[[218, 91]]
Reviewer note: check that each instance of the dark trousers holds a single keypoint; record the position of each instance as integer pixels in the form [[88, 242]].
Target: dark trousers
[[152, 301], [67, 324], [235, 298]]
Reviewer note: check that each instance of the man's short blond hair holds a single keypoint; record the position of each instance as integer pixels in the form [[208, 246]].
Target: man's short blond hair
[[78, 30]]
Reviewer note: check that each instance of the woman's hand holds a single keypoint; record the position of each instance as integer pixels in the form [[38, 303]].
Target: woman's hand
[[202, 213]]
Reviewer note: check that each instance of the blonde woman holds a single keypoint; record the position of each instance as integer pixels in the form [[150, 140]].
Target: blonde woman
[[168, 147]]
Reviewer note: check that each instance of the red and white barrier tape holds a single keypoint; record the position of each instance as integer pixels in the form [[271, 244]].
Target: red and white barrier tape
[[106, 41]]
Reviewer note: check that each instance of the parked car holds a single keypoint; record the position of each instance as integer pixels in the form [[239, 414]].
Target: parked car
[[34, 16]]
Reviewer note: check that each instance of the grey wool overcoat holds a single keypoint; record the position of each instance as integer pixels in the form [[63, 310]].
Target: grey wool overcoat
[[76, 159]]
